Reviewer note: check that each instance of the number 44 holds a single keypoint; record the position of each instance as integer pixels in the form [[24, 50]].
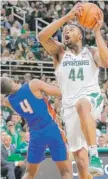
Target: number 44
[[73, 76]]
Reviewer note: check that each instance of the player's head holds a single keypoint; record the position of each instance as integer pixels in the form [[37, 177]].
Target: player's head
[[72, 35], [7, 85]]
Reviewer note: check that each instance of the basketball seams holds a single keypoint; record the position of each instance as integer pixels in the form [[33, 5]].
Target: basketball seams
[[87, 19], [87, 13], [92, 24], [94, 20]]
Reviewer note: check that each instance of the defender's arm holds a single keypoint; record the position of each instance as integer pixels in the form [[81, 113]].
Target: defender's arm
[[38, 85]]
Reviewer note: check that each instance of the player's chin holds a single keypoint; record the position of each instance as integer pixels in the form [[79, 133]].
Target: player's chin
[[67, 42]]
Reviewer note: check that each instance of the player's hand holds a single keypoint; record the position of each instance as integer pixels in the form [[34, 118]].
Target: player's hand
[[21, 163], [76, 11], [99, 21]]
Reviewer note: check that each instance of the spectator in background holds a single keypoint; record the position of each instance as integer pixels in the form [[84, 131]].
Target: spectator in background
[[17, 79], [106, 14], [101, 141], [27, 77], [3, 45], [106, 111], [6, 111], [16, 138], [25, 27], [48, 80], [3, 16], [103, 117], [22, 43], [105, 87], [12, 42], [4, 75], [5, 56], [3, 134], [104, 96], [54, 82], [31, 8], [5, 35], [23, 147], [34, 47], [14, 170], [10, 21], [45, 56], [15, 29], [16, 119], [35, 14], [30, 56], [18, 55]]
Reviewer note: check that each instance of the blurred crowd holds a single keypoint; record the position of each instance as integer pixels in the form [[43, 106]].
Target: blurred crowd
[[19, 42]]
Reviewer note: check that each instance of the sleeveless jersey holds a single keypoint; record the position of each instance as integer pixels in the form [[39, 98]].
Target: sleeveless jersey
[[37, 112], [77, 75]]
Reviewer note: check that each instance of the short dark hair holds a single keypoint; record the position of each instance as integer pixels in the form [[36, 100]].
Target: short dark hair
[[6, 86], [82, 32]]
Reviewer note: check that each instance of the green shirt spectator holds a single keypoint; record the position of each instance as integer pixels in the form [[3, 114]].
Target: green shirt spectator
[[16, 138], [6, 112], [16, 119], [23, 147], [22, 42]]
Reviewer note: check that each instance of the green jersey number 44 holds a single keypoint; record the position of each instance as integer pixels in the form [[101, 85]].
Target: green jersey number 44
[[73, 75]]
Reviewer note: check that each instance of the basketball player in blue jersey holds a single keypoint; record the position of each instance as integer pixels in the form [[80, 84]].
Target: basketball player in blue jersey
[[29, 103], [77, 69]]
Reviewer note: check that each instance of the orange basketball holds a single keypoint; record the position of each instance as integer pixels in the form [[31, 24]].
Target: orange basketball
[[88, 15]]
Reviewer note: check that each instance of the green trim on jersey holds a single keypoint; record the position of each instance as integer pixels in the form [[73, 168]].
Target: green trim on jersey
[[96, 99], [99, 101], [94, 95]]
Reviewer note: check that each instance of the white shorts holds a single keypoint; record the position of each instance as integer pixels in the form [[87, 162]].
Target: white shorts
[[75, 137]]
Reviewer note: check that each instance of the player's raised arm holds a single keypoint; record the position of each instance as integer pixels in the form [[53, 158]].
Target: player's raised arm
[[101, 52], [36, 85], [50, 45]]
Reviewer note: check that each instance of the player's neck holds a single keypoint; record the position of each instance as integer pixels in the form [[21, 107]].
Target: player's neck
[[76, 49]]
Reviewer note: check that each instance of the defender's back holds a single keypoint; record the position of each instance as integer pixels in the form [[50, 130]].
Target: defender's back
[[35, 111]]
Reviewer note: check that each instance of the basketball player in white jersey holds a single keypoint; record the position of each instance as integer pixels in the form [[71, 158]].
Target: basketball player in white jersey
[[77, 69]]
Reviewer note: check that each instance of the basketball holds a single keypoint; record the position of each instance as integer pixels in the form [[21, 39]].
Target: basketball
[[88, 15]]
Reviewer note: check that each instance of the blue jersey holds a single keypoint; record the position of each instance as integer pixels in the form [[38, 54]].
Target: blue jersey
[[44, 130], [35, 111]]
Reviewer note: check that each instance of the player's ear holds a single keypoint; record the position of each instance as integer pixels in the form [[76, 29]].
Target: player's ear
[[80, 36]]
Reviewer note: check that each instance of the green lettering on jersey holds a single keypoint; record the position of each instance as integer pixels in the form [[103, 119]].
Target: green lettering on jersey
[[73, 76], [80, 74]]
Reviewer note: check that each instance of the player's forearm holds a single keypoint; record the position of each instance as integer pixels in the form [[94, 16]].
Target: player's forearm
[[52, 91], [48, 31], [102, 48]]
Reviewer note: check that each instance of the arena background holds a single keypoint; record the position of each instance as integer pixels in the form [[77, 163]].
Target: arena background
[[23, 58]]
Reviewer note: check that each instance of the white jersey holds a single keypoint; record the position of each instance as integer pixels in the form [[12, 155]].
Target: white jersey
[[77, 75]]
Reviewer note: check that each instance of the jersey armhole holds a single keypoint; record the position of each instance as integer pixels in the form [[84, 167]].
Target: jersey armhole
[[90, 52], [58, 66]]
